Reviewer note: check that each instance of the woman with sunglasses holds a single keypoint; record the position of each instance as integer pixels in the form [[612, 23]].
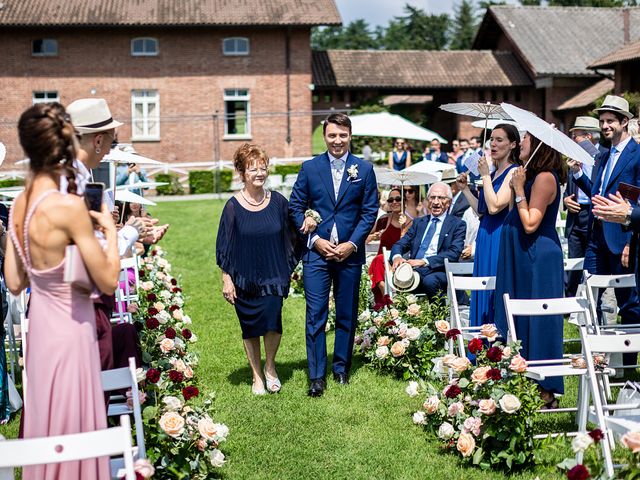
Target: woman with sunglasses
[[412, 207], [388, 230], [399, 157]]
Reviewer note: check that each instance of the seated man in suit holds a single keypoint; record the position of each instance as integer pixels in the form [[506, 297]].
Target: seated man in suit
[[435, 154], [430, 240]]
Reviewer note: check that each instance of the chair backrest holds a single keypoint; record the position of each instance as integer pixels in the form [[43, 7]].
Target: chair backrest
[[594, 282], [573, 264], [543, 307], [77, 446], [116, 379], [461, 268], [388, 277]]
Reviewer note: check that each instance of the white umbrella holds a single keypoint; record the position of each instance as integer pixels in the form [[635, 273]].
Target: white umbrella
[[429, 166], [127, 196], [384, 124], [548, 134], [491, 123], [404, 177], [3, 152], [478, 110], [137, 185], [118, 156]]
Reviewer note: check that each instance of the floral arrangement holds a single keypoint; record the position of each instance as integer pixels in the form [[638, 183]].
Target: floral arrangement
[[181, 437], [400, 336], [485, 413]]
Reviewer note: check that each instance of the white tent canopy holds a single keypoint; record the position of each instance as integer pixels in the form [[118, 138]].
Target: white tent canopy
[[384, 124]]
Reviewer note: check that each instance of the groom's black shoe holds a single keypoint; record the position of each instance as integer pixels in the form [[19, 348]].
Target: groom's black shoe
[[341, 378], [317, 387]]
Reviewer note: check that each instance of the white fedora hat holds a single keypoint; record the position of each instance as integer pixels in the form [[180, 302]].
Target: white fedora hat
[[405, 279], [587, 124], [91, 115], [613, 103]]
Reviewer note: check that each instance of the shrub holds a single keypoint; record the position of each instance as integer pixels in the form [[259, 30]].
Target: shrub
[[174, 187], [200, 181], [11, 182], [286, 169], [226, 176]]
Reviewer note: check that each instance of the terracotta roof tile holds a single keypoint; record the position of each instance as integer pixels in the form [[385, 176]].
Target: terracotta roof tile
[[417, 69], [167, 12], [588, 96], [625, 54]]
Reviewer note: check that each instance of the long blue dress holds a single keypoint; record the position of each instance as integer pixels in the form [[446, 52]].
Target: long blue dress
[[487, 251], [530, 266]]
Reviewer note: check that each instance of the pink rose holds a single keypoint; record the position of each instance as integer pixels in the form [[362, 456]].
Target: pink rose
[[398, 349], [460, 364], [448, 358], [479, 375], [631, 440], [455, 408], [466, 444], [413, 310], [487, 407], [431, 404], [384, 341], [472, 424], [490, 331], [442, 326], [518, 364]]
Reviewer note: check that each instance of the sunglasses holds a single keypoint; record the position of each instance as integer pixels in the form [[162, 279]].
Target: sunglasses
[[410, 191], [394, 199]]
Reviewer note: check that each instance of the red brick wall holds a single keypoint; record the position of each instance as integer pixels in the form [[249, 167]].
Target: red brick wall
[[190, 75]]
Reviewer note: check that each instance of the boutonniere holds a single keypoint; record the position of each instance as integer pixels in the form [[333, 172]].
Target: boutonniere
[[353, 172]]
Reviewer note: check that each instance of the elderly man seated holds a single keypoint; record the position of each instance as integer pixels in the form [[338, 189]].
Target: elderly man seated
[[430, 240]]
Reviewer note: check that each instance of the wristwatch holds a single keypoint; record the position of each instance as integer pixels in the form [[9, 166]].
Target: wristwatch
[[519, 198], [627, 221]]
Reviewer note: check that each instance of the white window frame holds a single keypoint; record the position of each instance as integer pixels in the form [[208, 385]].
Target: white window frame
[[48, 96], [233, 95], [235, 52], [145, 53], [44, 54], [145, 97]]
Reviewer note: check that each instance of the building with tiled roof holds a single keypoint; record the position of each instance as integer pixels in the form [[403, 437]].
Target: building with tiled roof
[[626, 64]]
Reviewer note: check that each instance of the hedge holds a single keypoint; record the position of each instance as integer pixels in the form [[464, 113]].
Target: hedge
[[286, 169], [200, 181], [174, 187], [11, 182]]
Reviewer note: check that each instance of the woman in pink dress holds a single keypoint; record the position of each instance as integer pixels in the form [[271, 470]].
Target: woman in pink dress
[[63, 390]]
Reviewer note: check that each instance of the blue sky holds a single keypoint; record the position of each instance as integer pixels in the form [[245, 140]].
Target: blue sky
[[379, 12]]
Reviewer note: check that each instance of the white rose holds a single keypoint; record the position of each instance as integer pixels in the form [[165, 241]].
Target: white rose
[[446, 431], [163, 317], [412, 389], [442, 326], [193, 338], [394, 313], [186, 319], [413, 310], [365, 316], [146, 286], [412, 298], [509, 403], [419, 418], [382, 352], [179, 343], [178, 300], [217, 458], [140, 374], [431, 404], [208, 429], [165, 294], [166, 345], [506, 352], [144, 467], [172, 403], [581, 442], [222, 430], [177, 314], [413, 333]]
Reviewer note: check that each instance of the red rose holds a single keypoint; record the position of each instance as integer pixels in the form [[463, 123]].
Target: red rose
[[390, 323], [494, 374], [596, 434], [154, 253], [141, 273], [152, 323], [170, 333], [190, 392], [386, 300], [176, 376], [174, 282], [453, 391], [152, 311], [139, 476], [378, 306], [151, 297], [153, 375], [176, 289], [186, 333], [173, 308], [494, 354], [475, 346], [579, 472], [452, 333]]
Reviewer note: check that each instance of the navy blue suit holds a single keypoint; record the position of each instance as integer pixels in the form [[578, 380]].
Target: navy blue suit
[[433, 279], [607, 240], [442, 158], [354, 212]]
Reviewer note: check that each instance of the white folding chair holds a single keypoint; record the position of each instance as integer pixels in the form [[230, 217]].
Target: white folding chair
[[388, 276], [65, 448], [599, 413], [559, 367], [125, 292], [118, 379]]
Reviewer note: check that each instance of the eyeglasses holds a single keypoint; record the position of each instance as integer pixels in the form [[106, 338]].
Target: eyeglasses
[[394, 199], [437, 197], [399, 143], [410, 191], [255, 170]]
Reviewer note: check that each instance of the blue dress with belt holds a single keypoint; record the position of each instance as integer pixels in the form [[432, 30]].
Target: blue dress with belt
[[530, 266], [487, 250], [257, 250]]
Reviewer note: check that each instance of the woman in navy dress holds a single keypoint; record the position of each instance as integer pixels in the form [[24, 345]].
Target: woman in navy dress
[[530, 262], [491, 205], [400, 158], [255, 250]]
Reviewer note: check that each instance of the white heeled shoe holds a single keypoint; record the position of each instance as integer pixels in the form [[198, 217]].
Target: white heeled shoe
[[273, 384]]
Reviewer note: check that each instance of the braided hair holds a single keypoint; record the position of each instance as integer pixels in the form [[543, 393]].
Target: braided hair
[[47, 138]]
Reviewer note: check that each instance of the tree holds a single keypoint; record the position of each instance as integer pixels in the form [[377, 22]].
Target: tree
[[416, 30], [356, 35], [464, 26]]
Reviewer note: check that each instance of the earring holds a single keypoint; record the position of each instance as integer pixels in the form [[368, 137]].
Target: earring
[[98, 151]]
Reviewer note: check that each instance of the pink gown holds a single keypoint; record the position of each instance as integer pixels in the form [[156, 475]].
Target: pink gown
[[64, 391]]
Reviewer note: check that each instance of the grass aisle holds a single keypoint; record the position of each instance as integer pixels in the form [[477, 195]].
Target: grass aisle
[[360, 431]]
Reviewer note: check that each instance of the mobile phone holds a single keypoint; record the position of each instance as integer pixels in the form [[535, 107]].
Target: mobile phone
[[630, 192], [93, 196]]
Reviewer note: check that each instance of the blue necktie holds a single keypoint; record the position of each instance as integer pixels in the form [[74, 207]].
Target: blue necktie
[[607, 170], [427, 238]]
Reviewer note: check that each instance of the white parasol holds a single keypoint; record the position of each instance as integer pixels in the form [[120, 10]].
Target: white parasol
[[3, 152], [116, 155], [139, 185], [491, 123], [428, 166], [479, 110], [384, 124], [548, 134], [404, 177], [126, 196]]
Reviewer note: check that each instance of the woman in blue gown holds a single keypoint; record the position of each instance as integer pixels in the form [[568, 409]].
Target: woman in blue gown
[[491, 205], [399, 158], [530, 261], [255, 250]]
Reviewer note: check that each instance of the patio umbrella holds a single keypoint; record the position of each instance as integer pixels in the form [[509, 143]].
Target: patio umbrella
[[478, 110], [404, 177], [548, 134], [118, 156], [385, 124], [429, 166]]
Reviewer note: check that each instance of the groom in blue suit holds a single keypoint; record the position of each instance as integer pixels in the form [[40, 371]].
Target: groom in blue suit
[[334, 203]]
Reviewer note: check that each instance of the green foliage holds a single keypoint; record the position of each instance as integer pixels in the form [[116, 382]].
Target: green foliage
[[174, 187], [416, 30], [632, 97], [225, 177], [11, 182], [200, 181], [286, 169], [464, 26], [356, 35], [582, 3]]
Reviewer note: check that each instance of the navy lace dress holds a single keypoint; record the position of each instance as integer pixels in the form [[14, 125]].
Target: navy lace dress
[[257, 250]]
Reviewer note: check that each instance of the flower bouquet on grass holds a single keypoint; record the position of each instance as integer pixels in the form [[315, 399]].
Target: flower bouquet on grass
[[400, 337], [486, 413]]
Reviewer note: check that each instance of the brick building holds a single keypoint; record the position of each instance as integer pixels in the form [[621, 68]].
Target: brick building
[[191, 80]]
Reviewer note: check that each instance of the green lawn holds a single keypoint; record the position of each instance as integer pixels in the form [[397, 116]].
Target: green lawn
[[359, 431]]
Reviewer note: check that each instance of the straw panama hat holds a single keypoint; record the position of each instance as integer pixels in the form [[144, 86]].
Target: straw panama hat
[[405, 279], [449, 176], [613, 103], [587, 124], [91, 115]]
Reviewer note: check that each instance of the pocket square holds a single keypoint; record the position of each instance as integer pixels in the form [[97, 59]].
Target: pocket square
[[356, 180]]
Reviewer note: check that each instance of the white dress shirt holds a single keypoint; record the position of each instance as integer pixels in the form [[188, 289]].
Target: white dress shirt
[[619, 149], [432, 249]]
